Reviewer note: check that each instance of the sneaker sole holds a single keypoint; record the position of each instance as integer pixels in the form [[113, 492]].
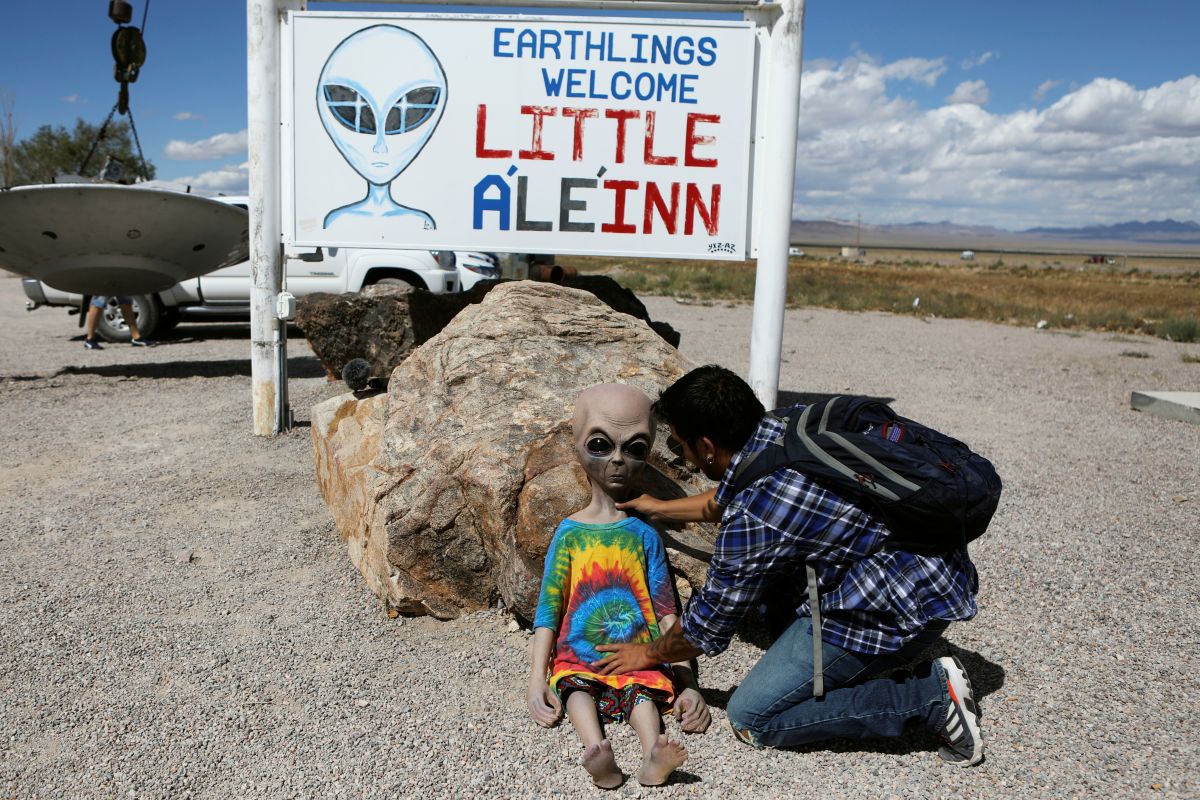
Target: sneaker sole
[[966, 712]]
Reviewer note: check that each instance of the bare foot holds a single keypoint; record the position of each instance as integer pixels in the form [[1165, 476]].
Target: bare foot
[[599, 762], [664, 758]]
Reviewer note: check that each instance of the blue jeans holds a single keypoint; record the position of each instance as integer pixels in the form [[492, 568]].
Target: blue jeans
[[100, 301], [774, 705]]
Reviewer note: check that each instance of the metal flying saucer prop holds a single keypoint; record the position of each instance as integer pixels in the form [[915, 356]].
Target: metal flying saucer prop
[[103, 239]]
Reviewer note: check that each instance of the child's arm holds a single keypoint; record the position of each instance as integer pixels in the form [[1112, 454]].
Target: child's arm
[[544, 705], [690, 707]]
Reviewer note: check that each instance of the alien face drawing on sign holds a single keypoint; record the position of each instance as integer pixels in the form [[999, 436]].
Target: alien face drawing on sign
[[380, 97]]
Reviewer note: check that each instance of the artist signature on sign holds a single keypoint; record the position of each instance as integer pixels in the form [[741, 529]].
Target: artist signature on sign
[[721, 247]]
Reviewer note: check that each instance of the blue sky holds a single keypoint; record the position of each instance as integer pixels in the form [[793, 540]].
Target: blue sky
[[1012, 114]]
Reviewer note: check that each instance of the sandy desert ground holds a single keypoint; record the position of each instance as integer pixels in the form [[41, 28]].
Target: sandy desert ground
[[178, 617]]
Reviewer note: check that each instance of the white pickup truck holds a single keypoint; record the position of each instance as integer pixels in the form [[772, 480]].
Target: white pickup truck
[[225, 293]]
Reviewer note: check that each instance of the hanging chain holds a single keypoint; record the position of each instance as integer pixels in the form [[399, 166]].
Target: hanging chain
[[98, 139], [141, 156]]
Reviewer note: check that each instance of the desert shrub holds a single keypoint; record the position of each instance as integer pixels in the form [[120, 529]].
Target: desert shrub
[[1179, 329]]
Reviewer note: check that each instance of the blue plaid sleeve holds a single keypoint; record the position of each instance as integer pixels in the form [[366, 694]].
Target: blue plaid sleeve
[[748, 555]]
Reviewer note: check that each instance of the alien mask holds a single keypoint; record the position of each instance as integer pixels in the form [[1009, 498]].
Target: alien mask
[[613, 433]]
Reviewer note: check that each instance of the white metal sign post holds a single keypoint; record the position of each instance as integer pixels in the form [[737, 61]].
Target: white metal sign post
[[268, 358], [615, 135], [774, 189]]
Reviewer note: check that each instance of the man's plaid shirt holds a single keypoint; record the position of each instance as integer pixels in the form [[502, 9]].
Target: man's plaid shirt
[[871, 602]]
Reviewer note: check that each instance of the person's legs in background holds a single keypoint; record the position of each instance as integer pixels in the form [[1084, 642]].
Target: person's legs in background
[[131, 320], [96, 308]]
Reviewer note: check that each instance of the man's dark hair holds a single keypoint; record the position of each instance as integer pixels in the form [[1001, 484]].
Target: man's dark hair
[[714, 402]]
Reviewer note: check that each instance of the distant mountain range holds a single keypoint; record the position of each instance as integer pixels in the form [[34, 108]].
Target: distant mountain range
[[1157, 235], [1167, 231]]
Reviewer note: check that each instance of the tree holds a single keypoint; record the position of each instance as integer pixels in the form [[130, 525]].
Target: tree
[[53, 151], [8, 137]]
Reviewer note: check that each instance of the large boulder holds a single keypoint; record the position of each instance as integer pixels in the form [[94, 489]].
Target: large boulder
[[374, 325], [474, 466], [432, 312], [384, 322], [619, 298]]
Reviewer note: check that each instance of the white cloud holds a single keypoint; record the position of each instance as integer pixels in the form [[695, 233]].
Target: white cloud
[[973, 93], [222, 144], [230, 179], [977, 61], [1040, 93], [72, 98], [1104, 105], [1113, 107], [1104, 152], [186, 115], [857, 88]]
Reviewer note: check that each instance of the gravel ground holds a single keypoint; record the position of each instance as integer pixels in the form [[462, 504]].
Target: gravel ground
[[178, 617]]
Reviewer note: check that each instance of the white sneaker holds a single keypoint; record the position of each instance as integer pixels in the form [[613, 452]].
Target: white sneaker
[[960, 731]]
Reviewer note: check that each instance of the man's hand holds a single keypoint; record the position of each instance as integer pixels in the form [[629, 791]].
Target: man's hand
[[670, 648], [544, 705], [643, 504], [623, 658], [674, 513], [692, 711]]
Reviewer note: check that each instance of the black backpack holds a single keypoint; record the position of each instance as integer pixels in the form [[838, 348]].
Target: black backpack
[[930, 490]]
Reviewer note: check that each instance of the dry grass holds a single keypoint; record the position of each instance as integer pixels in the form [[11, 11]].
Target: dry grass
[[1144, 262], [1164, 304]]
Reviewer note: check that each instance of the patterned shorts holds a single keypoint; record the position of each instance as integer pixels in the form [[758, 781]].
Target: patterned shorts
[[614, 705]]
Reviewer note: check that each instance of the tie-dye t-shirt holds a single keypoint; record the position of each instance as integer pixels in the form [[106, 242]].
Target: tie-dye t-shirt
[[605, 584]]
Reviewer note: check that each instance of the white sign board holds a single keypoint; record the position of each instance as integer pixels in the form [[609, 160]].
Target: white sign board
[[518, 134]]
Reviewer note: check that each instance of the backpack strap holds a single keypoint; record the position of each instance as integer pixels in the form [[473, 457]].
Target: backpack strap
[[763, 462], [814, 603]]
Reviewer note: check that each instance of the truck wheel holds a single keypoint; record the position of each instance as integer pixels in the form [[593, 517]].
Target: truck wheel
[[416, 283], [112, 327]]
